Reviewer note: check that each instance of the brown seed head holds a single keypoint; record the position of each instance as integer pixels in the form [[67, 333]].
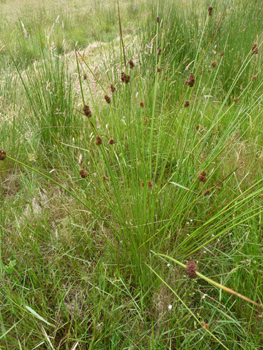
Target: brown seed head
[[145, 120], [85, 76], [261, 195], [197, 127], [207, 193], [141, 104], [254, 78], [131, 64], [202, 178], [222, 53], [203, 172], [213, 64], [107, 99], [201, 72], [191, 269], [210, 9], [255, 51], [235, 99], [159, 69], [159, 51], [187, 103], [83, 173], [186, 82], [98, 140], [150, 185], [2, 154], [112, 88], [142, 184], [191, 83], [166, 78], [205, 325], [254, 46], [87, 111], [125, 78], [158, 19], [104, 177], [111, 142]]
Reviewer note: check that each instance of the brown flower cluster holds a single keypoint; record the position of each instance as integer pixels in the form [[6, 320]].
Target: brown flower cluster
[[125, 78], [210, 10], [191, 80], [158, 70], [105, 178], [205, 325], [87, 111], [2, 154], [111, 142], [202, 176], [158, 19], [213, 64], [254, 78], [150, 185], [187, 103], [159, 51], [254, 49], [107, 99], [83, 173], [98, 140], [191, 269], [222, 53], [197, 127], [85, 76], [207, 193], [112, 88], [131, 64]]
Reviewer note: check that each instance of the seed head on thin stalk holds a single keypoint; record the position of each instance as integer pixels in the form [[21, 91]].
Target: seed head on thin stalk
[[191, 269], [98, 140], [254, 78], [87, 111], [159, 51], [141, 104], [111, 142], [187, 103], [112, 88], [210, 10], [222, 53], [125, 78], [107, 99], [159, 69], [197, 127], [131, 63], [83, 173], [213, 64], [2, 154], [150, 185], [158, 19], [84, 76], [207, 193]]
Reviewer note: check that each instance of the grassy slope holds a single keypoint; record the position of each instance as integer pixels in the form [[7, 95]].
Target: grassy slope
[[78, 259]]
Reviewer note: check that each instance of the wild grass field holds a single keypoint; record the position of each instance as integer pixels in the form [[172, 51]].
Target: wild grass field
[[131, 163]]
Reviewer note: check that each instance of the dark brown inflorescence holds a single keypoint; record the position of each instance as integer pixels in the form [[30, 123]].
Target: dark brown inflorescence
[[158, 19], [107, 99], [159, 51], [202, 176], [112, 88], [205, 325], [159, 69], [87, 111], [222, 53], [191, 269], [104, 177], [125, 78], [197, 127], [150, 185], [213, 64], [187, 103], [131, 64], [111, 142], [83, 173], [210, 10], [255, 51], [235, 99], [207, 193], [85, 76], [141, 104], [2, 154], [191, 80], [254, 78], [142, 184], [98, 140]]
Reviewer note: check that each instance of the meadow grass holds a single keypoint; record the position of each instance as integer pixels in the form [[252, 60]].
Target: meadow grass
[[100, 213]]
